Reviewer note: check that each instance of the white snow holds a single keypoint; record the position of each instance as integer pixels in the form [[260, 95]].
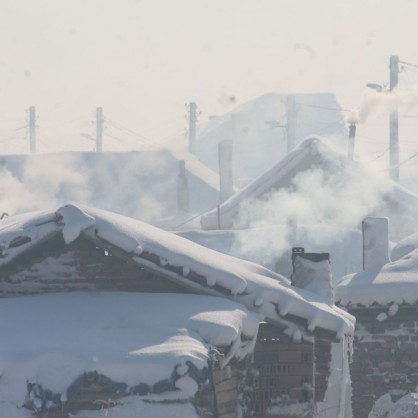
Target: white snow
[[132, 338], [406, 407], [74, 222], [395, 282], [132, 406], [404, 247], [243, 281], [381, 317], [337, 399]]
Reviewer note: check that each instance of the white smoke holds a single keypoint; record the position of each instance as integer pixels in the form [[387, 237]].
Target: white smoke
[[375, 103], [131, 186], [317, 200]]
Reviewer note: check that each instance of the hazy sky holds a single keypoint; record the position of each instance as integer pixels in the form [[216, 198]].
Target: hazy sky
[[142, 60]]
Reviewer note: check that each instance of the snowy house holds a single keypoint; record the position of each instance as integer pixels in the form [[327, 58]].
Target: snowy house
[[384, 300], [318, 175], [100, 311]]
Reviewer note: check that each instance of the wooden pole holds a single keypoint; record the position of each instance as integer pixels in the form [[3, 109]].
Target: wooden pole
[[32, 129]]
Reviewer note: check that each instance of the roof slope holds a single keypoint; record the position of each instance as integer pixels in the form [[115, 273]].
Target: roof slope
[[395, 283], [389, 198], [204, 270]]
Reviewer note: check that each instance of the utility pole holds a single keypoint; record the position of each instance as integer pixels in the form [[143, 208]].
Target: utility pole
[[226, 187], [32, 129], [182, 188], [99, 129], [351, 140], [192, 127], [291, 117], [394, 122]]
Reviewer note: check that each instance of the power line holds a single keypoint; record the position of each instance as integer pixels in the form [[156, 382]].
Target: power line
[[409, 159], [404, 162], [407, 63], [381, 155], [319, 130], [121, 127], [123, 141], [126, 130], [336, 109], [189, 220]]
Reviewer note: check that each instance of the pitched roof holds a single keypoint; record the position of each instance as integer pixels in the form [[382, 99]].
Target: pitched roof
[[393, 284], [390, 198], [204, 270]]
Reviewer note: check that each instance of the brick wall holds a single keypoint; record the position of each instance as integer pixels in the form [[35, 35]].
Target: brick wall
[[385, 357], [283, 369]]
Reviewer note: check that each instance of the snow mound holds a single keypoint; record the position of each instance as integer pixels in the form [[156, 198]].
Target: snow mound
[[404, 247], [395, 282], [157, 345], [406, 407]]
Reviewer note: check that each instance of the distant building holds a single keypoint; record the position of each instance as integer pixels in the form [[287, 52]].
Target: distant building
[[260, 130]]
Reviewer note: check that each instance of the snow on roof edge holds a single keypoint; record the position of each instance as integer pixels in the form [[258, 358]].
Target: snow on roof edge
[[245, 282], [310, 146]]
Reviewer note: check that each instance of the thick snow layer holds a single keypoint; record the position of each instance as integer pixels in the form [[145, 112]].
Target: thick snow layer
[[395, 282], [133, 406], [404, 247], [258, 288], [337, 399], [406, 407], [133, 338]]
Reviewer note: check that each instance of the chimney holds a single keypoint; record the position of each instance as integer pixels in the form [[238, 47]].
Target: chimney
[[225, 169], [182, 188], [351, 140], [312, 271], [375, 242]]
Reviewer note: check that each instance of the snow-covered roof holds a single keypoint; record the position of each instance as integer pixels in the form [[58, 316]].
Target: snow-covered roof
[[300, 158], [404, 247], [159, 346], [395, 283], [315, 153], [198, 268]]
